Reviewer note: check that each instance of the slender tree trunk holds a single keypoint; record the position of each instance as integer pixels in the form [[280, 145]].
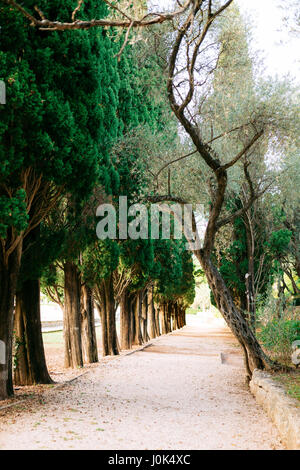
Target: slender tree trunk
[[111, 319], [162, 312], [183, 317], [145, 316], [294, 285], [157, 315], [180, 316], [151, 315], [250, 276], [9, 271], [102, 313], [138, 338], [88, 331], [297, 264], [132, 304], [72, 317], [251, 300], [31, 365], [108, 319], [176, 318], [169, 312], [173, 317], [255, 358], [133, 318], [280, 303], [125, 318]]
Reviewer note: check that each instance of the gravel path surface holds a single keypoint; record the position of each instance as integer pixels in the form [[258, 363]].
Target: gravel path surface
[[175, 394]]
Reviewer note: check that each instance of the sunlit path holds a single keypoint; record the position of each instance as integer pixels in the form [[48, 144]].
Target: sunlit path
[[176, 394]]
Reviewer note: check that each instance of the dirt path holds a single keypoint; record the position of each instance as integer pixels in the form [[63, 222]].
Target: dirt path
[[176, 394]]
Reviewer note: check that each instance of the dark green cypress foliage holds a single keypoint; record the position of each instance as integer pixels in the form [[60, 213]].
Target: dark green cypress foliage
[[55, 131], [174, 270], [135, 111]]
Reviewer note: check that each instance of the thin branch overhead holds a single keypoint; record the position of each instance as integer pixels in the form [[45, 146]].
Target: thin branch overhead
[[120, 19]]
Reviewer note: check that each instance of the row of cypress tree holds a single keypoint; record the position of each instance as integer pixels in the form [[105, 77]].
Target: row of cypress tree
[[69, 102]]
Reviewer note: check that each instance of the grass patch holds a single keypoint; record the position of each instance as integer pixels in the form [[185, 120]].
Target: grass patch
[[291, 383], [192, 311], [55, 338]]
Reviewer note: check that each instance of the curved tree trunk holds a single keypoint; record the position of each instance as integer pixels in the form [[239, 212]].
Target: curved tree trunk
[[255, 358], [9, 271], [72, 323], [31, 365], [88, 331]]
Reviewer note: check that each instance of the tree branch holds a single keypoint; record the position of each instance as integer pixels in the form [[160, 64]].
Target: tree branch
[[242, 153], [125, 20], [175, 161], [240, 212]]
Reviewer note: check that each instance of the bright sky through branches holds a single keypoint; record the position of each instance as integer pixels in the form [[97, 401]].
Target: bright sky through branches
[[270, 35]]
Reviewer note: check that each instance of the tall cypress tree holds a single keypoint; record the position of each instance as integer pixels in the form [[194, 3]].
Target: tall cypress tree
[[136, 111], [53, 137]]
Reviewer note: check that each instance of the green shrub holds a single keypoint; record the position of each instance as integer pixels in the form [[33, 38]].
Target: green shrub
[[277, 338]]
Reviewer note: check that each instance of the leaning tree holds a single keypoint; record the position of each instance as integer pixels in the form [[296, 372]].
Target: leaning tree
[[196, 52]]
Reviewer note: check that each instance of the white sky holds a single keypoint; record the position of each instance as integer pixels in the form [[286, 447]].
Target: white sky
[[280, 49]]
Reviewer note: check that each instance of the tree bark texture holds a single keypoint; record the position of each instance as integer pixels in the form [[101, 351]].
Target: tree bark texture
[[72, 317], [88, 330], [9, 271], [125, 319], [30, 361]]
